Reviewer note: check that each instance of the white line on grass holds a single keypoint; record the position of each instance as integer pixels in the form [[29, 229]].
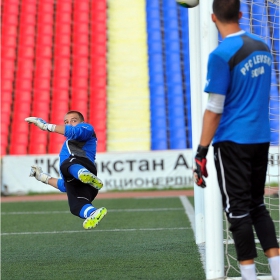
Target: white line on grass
[[95, 230], [109, 210], [191, 215]]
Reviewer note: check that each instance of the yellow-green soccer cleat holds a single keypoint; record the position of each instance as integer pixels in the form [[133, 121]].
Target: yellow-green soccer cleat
[[89, 178], [93, 220]]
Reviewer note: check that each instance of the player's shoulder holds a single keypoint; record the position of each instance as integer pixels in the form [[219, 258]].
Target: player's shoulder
[[229, 46]]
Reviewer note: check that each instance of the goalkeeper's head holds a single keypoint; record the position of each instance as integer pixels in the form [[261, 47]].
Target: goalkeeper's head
[[73, 118]]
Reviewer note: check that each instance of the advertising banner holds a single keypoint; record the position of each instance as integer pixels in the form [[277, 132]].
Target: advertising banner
[[118, 171]]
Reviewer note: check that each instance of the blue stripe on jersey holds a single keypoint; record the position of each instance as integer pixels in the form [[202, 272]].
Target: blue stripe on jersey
[[240, 69]]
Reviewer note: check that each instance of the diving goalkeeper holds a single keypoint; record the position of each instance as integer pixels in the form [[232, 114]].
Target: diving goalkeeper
[[77, 167]]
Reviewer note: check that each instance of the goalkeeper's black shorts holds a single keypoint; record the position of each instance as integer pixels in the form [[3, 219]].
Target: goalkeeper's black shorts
[[78, 193]]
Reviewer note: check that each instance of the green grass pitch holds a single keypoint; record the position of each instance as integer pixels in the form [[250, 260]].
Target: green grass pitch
[[145, 239]]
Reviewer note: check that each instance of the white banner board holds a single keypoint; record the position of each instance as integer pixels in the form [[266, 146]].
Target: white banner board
[[118, 171]]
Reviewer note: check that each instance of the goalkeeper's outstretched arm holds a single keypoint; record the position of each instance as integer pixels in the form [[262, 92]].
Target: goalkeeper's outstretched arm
[[45, 178], [43, 125]]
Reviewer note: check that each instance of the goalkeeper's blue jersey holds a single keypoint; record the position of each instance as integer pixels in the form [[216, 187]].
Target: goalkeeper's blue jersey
[[81, 141], [240, 69]]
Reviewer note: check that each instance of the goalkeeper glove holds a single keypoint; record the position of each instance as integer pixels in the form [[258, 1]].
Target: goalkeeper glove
[[41, 124], [200, 161], [38, 173]]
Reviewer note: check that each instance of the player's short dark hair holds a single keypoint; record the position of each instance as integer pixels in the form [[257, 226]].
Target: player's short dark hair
[[78, 113], [226, 10]]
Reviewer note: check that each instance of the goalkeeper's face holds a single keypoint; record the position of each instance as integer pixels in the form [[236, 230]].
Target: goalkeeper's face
[[72, 119]]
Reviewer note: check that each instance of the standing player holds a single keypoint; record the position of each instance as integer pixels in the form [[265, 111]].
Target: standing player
[[77, 167], [236, 119]]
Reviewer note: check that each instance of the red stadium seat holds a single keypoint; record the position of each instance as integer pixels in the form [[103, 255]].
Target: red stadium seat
[[82, 6], [62, 51], [62, 39], [9, 20], [37, 135], [60, 95], [42, 72], [28, 7], [81, 28], [23, 74], [98, 27], [23, 85], [54, 147], [97, 92], [64, 7], [98, 61], [60, 83], [45, 19], [6, 98], [55, 137], [41, 95], [11, 8], [26, 52], [8, 52], [45, 8], [79, 95], [19, 137], [27, 30], [44, 40], [7, 85], [61, 63], [27, 19], [97, 81], [100, 38], [3, 149], [99, 6], [63, 28], [5, 106], [21, 110], [42, 84], [37, 149], [97, 49], [5, 130], [79, 38], [80, 17], [80, 83], [40, 110], [9, 31], [63, 17], [9, 41], [80, 72], [18, 149], [44, 29], [80, 50], [43, 51], [81, 62]]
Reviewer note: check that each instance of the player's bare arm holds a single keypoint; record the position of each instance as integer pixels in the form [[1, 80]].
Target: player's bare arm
[[211, 121], [37, 172]]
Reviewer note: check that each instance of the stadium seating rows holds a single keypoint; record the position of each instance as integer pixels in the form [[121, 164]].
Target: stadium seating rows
[[53, 59], [46, 70]]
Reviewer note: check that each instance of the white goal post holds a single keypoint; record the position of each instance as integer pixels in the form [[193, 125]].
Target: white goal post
[[210, 230]]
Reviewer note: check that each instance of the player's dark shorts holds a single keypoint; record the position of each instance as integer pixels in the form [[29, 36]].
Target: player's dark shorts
[[241, 171], [78, 193]]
